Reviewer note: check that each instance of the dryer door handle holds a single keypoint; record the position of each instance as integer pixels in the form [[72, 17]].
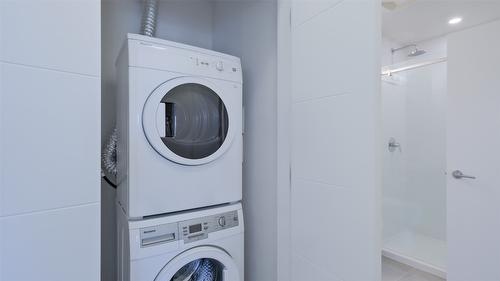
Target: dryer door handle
[[165, 120], [160, 120], [170, 122]]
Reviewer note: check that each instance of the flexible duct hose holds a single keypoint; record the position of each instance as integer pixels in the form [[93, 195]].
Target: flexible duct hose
[[109, 155], [149, 17]]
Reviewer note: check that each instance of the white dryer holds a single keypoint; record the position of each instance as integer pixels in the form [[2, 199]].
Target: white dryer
[[203, 245], [179, 121]]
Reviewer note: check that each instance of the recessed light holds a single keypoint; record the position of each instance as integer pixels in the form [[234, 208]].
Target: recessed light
[[456, 20]]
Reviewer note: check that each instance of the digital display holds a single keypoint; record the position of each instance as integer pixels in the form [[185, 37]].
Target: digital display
[[195, 228]]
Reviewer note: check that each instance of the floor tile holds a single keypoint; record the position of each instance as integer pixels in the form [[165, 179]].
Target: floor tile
[[395, 271], [392, 270]]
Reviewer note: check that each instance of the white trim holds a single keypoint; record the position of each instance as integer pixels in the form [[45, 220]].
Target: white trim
[[415, 263], [283, 146]]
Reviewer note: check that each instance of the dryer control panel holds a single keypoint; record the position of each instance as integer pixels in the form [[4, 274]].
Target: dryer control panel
[[197, 229], [189, 230], [154, 53]]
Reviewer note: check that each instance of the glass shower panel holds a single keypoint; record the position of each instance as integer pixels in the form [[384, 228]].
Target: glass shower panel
[[414, 183]]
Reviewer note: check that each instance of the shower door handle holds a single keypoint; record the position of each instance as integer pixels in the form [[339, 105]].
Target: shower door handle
[[459, 175], [393, 145]]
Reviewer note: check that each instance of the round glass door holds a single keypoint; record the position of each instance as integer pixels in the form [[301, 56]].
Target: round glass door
[[200, 270], [203, 263], [186, 120], [196, 121]]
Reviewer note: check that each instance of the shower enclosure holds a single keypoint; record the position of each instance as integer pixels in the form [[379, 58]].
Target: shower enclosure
[[414, 165]]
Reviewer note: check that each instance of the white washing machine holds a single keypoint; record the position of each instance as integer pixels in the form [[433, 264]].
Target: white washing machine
[[203, 245], [179, 121]]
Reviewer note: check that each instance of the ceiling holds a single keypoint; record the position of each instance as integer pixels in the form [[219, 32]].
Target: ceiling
[[409, 21]]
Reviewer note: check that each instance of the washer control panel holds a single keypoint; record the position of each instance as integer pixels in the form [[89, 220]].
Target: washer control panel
[[199, 228], [189, 230]]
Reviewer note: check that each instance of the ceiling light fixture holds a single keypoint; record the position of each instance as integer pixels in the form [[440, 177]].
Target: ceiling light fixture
[[456, 20]]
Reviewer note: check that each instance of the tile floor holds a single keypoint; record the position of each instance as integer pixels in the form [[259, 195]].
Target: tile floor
[[395, 271]]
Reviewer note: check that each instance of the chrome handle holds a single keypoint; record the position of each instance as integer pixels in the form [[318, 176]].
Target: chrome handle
[[459, 175], [393, 145]]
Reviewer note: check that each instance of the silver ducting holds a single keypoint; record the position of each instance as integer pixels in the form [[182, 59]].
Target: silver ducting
[[109, 156], [149, 18]]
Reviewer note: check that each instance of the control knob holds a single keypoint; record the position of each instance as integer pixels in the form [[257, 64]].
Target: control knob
[[222, 221]]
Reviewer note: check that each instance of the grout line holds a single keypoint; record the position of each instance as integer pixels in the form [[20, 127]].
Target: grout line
[[318, 14], [322, 183], [42, 211], [50, 69], [320, 98]]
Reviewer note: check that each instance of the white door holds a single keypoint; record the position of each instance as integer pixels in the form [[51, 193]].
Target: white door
[[473, 144], [335, 209]]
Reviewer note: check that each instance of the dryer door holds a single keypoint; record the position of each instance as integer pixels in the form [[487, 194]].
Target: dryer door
[[204, 263], [187, 121]]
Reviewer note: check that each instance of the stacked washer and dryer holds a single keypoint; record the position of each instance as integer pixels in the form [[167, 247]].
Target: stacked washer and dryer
[[180, 154]]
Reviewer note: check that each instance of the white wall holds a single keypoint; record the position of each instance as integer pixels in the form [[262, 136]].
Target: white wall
[[283, 111], [50, 140], [335, 218], [247, 29], [188, 22]]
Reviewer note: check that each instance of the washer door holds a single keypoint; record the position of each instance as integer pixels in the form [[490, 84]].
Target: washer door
[[186, 120], [204, 263]]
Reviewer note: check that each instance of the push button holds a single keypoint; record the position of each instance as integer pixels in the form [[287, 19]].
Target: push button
[[219, 66]]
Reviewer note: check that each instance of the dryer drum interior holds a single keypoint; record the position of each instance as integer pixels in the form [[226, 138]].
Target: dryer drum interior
[[204, 269], [196, 121]]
